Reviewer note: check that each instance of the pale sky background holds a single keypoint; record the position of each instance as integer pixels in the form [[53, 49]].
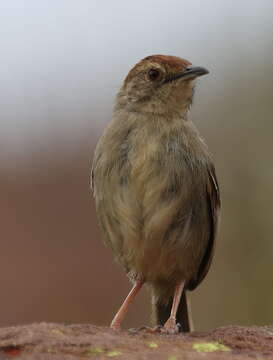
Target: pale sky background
[[62, 61]]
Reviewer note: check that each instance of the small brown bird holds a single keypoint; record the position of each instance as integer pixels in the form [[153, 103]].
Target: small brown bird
[[155, 188]]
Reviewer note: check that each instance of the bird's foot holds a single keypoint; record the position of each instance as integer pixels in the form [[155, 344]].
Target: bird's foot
[[115, 327], [170, 327], [147, 329]]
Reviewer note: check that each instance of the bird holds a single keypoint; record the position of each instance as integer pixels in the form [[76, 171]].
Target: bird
[[156, 193]]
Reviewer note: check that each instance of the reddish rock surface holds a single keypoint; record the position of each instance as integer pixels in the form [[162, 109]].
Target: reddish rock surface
[[58, 341]]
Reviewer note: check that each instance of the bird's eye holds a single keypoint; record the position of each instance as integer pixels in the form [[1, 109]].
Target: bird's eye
[[153, 74]]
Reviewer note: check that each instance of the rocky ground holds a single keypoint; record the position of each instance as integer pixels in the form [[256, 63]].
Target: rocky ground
[[58, 341]]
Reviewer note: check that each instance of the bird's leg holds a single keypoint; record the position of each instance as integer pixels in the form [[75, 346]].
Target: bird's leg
[[120, 315], [170, 325]]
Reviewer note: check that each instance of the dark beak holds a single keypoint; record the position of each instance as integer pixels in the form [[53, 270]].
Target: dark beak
[[189, 73]]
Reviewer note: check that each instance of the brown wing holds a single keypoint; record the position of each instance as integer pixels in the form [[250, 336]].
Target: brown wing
[[214, 204]]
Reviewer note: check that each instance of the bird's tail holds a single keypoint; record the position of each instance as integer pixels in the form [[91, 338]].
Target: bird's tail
[[184, 319]]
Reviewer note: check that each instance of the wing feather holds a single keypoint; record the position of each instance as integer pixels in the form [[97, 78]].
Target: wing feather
[[214, 204]]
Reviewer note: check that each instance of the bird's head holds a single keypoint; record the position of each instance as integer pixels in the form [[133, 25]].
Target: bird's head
[[161, 85]]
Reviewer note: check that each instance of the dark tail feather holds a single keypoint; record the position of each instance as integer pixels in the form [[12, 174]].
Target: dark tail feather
[[183, 314]]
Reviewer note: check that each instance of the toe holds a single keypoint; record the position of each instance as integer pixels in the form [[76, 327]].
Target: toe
[[147, 329], [116, 327], [171, 327]]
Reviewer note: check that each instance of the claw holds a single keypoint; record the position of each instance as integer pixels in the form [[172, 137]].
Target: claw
[[171, 327], [115, 327], [147, 329]]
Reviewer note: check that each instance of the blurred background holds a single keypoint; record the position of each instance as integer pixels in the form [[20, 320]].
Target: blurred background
[[61, 65]]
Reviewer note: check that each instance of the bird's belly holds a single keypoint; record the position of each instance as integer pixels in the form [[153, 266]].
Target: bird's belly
[[154, 213], [167, 263], [168, 231]]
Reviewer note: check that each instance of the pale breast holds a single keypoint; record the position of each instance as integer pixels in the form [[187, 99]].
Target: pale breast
[[150, 194]]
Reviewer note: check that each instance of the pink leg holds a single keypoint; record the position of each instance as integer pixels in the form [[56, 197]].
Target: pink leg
[[120, 315], [170, 325]]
